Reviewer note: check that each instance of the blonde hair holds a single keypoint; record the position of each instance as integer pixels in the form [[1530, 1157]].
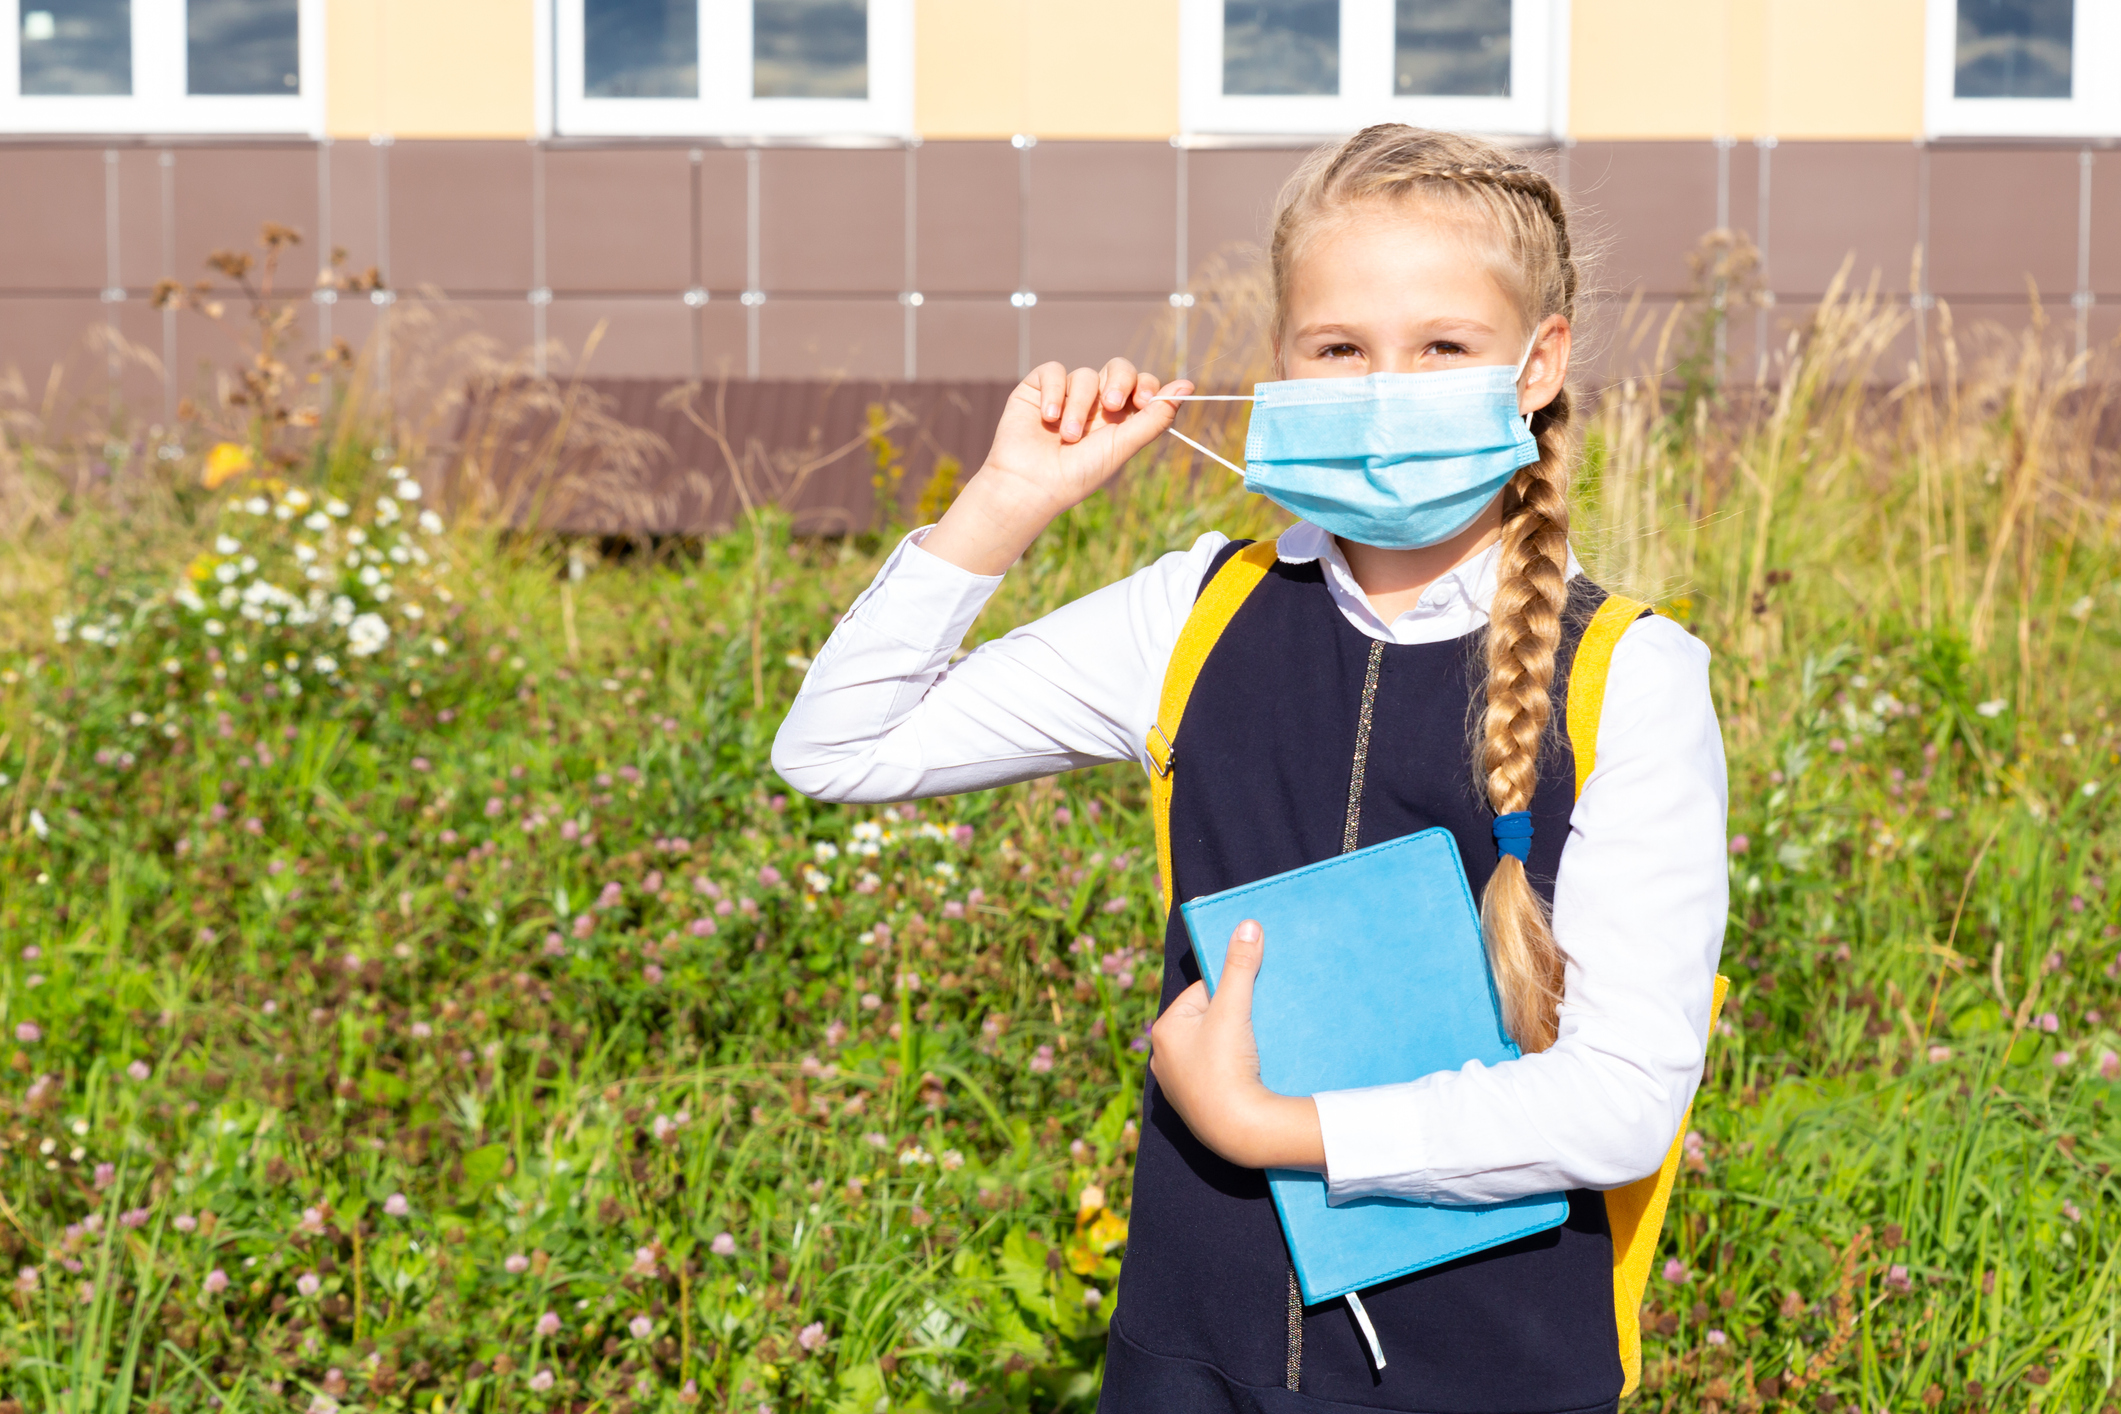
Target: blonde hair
[[1518, 215]]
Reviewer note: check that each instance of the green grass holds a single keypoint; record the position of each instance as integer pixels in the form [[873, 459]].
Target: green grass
[[473, 987]]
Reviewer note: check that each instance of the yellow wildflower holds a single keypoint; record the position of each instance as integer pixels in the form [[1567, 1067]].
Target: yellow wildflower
[[225, 461]]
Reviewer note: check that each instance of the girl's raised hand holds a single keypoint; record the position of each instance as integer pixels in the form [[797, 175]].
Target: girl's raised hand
[[1062, 436]]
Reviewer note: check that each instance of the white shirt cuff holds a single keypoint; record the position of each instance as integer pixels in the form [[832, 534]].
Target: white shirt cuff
[[1372, 1137], [922, 600]]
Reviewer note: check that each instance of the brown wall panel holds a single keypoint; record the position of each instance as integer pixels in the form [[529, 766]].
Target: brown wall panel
[[224, 194], [1103, 217], [832, 220], [55, 240], [966, 216], [1085, 333], [1831, 200], [1997, 217], [356, 171], [831, 338], [142, 259], [1230, 201], [722, 219], [642, 338], [618, 219], [966, 339], [1648, 204], [2106, 224], [205, 345], [722, 341], [460, 216], [40, 331]]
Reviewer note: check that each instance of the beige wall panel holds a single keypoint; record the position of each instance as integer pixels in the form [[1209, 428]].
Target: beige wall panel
[[400, 67], [968, 67], [993, 68], [966, 339], [641, 338], [831, 339], [1647, 68], [1841, 70], [966, 218], [1108, 69], [618, 219], [832, 221]]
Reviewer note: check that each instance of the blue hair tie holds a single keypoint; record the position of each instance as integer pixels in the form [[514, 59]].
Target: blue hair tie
[[1513, 835]]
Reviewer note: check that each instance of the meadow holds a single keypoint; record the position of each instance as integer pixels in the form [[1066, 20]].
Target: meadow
[[419, 994]]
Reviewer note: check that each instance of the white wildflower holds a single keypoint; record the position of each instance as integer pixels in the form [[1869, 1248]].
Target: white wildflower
[[440, 648], [298, 499], [413, 612], [213, 628], [305, 552], [1994, 707], [430, 523], [369, 577], [63, 627], [386, 511], [342, 611], [258, 506], [366, 635], [407, 488], [226, 572], [316, 520], [227, 545], [826, 851], [38, 825], [325, 664], [189, 598], [356, 536], [337, 508]]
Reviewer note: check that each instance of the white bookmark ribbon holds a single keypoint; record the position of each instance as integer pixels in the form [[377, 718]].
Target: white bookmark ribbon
[[1205, 398]]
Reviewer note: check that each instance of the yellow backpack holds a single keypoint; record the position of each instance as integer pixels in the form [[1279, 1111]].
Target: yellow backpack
[[1634, 1213]]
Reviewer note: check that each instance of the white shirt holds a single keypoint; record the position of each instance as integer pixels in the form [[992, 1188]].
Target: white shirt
[[1639, 899]]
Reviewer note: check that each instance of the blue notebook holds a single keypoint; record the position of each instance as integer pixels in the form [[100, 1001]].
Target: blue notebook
[[1374, 974]]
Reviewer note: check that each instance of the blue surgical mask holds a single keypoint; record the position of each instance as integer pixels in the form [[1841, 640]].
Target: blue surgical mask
[[1396, 460]]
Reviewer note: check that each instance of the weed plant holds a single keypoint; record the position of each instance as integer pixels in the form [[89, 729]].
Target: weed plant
[[450, 1011]]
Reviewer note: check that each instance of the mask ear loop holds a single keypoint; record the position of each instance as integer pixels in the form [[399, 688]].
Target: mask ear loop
[[1205, 398], [1524, 363]]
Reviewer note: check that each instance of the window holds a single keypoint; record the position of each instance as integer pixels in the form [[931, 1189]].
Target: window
[[1326, 66], [164, 66], [2024, 68], [736, 67]]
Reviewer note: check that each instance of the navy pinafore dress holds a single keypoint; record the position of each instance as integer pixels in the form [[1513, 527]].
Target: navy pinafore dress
[[1208, 1317]]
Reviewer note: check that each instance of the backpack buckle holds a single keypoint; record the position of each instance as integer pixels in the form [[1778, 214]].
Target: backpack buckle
[[1163, 756]]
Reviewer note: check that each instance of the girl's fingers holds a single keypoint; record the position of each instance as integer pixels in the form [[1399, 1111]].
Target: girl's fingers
[[1116, 384], [1051, 381], [1145, 386], [1081, 403]]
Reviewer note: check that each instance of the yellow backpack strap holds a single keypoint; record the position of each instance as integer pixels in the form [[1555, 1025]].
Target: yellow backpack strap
[[1634, 1213], [1211, 614]]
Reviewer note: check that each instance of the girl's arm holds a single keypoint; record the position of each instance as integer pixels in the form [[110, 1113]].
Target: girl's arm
[[883, 716], [1639, 908]]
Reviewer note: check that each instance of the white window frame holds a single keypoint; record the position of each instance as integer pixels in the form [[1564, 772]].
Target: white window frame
[[1538, 33], [2092, 110], [158, 102], [725, 106]]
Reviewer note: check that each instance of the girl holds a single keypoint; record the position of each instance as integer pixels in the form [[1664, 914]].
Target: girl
[[1425, 590]]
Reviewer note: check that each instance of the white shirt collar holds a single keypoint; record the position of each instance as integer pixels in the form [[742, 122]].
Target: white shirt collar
[[1454, 605]]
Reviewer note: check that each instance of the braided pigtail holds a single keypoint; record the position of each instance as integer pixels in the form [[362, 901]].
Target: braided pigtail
[[1524, 634], [1519, 216]]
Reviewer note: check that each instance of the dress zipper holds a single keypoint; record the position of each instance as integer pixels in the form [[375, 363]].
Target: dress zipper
[[1349, 835]]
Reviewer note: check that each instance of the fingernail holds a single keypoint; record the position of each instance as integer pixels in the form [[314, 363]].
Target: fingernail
[[1052, 411], [1249, 930]]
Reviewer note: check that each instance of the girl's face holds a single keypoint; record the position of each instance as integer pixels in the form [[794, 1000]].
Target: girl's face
[[1390, 291]]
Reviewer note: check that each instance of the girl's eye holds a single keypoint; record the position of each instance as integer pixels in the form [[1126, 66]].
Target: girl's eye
[[1448, 350], [1340, 351]]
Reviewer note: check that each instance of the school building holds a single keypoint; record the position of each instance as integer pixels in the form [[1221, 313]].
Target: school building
[[956, 189]]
